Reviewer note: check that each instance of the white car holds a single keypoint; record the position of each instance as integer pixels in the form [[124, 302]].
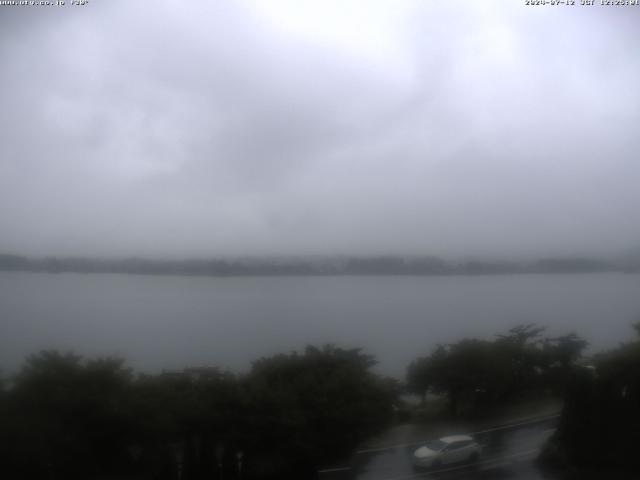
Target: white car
[[447, 450]]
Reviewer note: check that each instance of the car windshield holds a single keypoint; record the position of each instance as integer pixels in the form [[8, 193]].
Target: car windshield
[[435, 445]]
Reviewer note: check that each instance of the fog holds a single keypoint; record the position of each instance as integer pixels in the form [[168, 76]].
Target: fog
[[273, 239], [167, 129]]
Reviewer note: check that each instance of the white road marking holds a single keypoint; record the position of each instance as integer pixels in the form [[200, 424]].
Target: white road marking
[[511, 425], [332, 470]]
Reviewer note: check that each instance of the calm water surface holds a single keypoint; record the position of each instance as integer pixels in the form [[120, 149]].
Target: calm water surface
[[170, 322]]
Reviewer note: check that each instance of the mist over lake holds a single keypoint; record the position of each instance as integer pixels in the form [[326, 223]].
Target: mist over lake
[[170, 322]]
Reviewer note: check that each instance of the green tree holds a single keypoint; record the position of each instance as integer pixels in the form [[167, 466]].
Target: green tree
[[479, 374], [600, 423], [68, 417], [308, 409]]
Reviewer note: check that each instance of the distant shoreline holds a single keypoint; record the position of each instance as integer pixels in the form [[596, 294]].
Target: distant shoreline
[[329, 266]]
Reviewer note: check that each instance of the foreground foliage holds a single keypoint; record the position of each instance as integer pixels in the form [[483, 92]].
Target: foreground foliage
[[477, 375], [65, 417], [600, 424]]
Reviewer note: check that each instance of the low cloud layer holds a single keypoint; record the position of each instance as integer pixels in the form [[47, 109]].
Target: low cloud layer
[[284, 127]]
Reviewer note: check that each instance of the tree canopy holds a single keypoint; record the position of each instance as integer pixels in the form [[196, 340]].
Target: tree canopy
[[67, 417], [476, 373]]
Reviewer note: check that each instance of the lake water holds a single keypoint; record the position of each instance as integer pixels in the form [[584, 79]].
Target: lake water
[[170, 322]]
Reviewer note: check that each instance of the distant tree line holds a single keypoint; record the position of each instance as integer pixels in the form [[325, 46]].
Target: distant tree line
[[375, 265], [62, 417]]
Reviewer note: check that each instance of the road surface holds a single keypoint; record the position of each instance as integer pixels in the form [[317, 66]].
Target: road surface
[[509, 453]]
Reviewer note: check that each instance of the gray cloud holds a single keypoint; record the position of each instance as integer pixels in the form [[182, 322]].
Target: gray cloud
[[360, 127]]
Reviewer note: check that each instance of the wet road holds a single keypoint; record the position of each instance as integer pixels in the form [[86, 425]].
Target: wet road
[[508, 453]]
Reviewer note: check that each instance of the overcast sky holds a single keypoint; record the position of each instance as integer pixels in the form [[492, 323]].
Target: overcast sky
[[454, 128]]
